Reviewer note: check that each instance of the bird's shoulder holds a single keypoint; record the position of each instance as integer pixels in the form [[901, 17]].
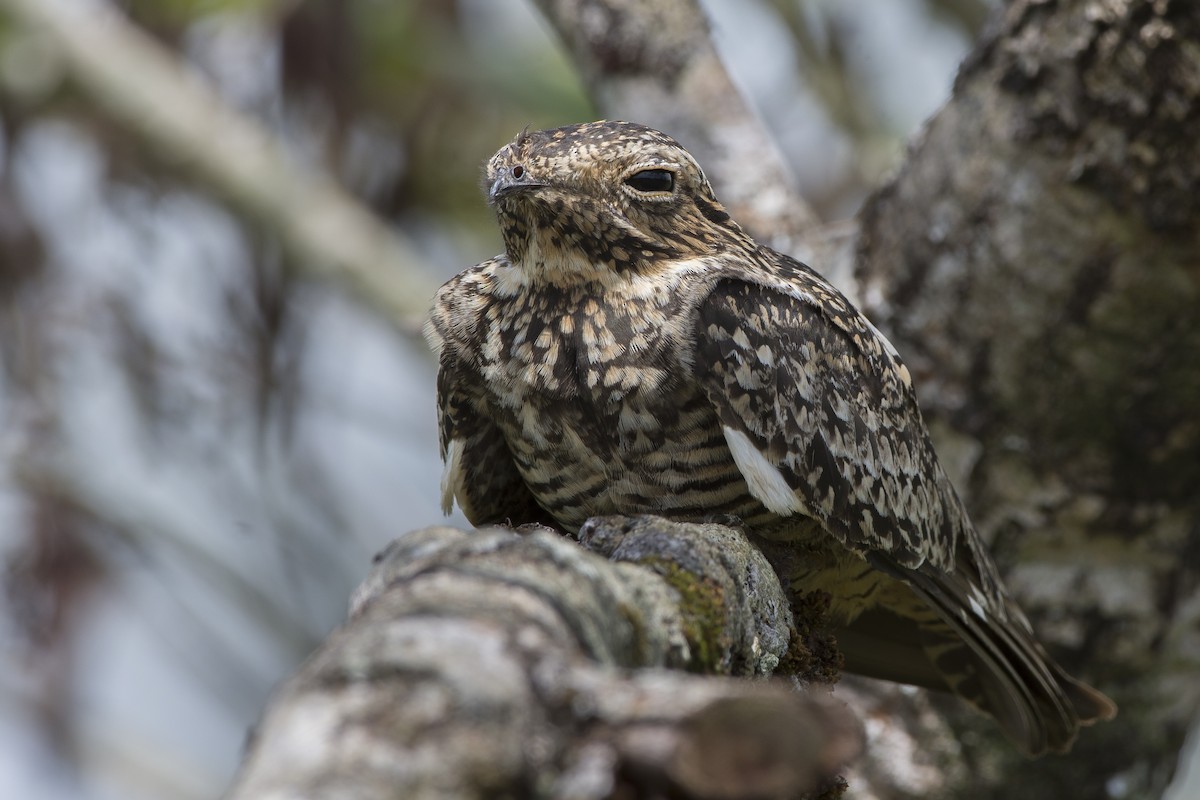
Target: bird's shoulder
[[462, 306], [768, 292]]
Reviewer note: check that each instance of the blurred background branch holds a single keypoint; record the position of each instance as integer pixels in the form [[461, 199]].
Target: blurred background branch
[[153, 98], [654, 61]]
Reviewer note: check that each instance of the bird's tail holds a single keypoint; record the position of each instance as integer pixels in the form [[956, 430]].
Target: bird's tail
[[993, 661]]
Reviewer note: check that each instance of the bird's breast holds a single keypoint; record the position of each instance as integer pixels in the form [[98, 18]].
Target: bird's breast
[[601, 413]]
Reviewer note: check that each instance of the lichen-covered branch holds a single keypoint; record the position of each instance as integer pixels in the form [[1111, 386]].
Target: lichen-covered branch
[[1035, 261], [501, 663]]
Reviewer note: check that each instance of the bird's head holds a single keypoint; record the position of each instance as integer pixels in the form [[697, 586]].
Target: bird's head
[[603, 198]]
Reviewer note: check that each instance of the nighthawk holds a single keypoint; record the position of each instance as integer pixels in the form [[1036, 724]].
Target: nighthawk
[[634, 351]]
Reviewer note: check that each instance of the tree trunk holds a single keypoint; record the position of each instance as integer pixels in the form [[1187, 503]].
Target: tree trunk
[[1037, 262]]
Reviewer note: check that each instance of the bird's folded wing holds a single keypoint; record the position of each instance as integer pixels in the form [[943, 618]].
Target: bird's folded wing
[[822, 421], [480, 473]]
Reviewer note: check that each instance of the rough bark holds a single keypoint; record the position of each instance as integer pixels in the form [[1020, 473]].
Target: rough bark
[[1036, 262], [507, 664]]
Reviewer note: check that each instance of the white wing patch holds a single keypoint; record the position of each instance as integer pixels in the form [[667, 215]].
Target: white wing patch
[[766, 482], [977, 602], [452, 475]]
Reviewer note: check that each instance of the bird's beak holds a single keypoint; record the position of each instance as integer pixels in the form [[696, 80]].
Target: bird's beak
[[506, 183]]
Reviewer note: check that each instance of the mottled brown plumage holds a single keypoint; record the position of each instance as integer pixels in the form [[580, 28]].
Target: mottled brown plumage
[[634, 351]]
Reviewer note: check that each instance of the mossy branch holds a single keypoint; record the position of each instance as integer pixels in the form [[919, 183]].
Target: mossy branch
[[503, 663]]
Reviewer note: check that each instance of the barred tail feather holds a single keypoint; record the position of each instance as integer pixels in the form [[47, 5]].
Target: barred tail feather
[[995, 664]]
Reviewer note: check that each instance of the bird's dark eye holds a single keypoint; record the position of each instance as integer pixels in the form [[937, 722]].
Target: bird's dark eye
[[652, 180]]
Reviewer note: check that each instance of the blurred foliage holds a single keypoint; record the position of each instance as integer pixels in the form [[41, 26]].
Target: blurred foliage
[[416, 80]]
